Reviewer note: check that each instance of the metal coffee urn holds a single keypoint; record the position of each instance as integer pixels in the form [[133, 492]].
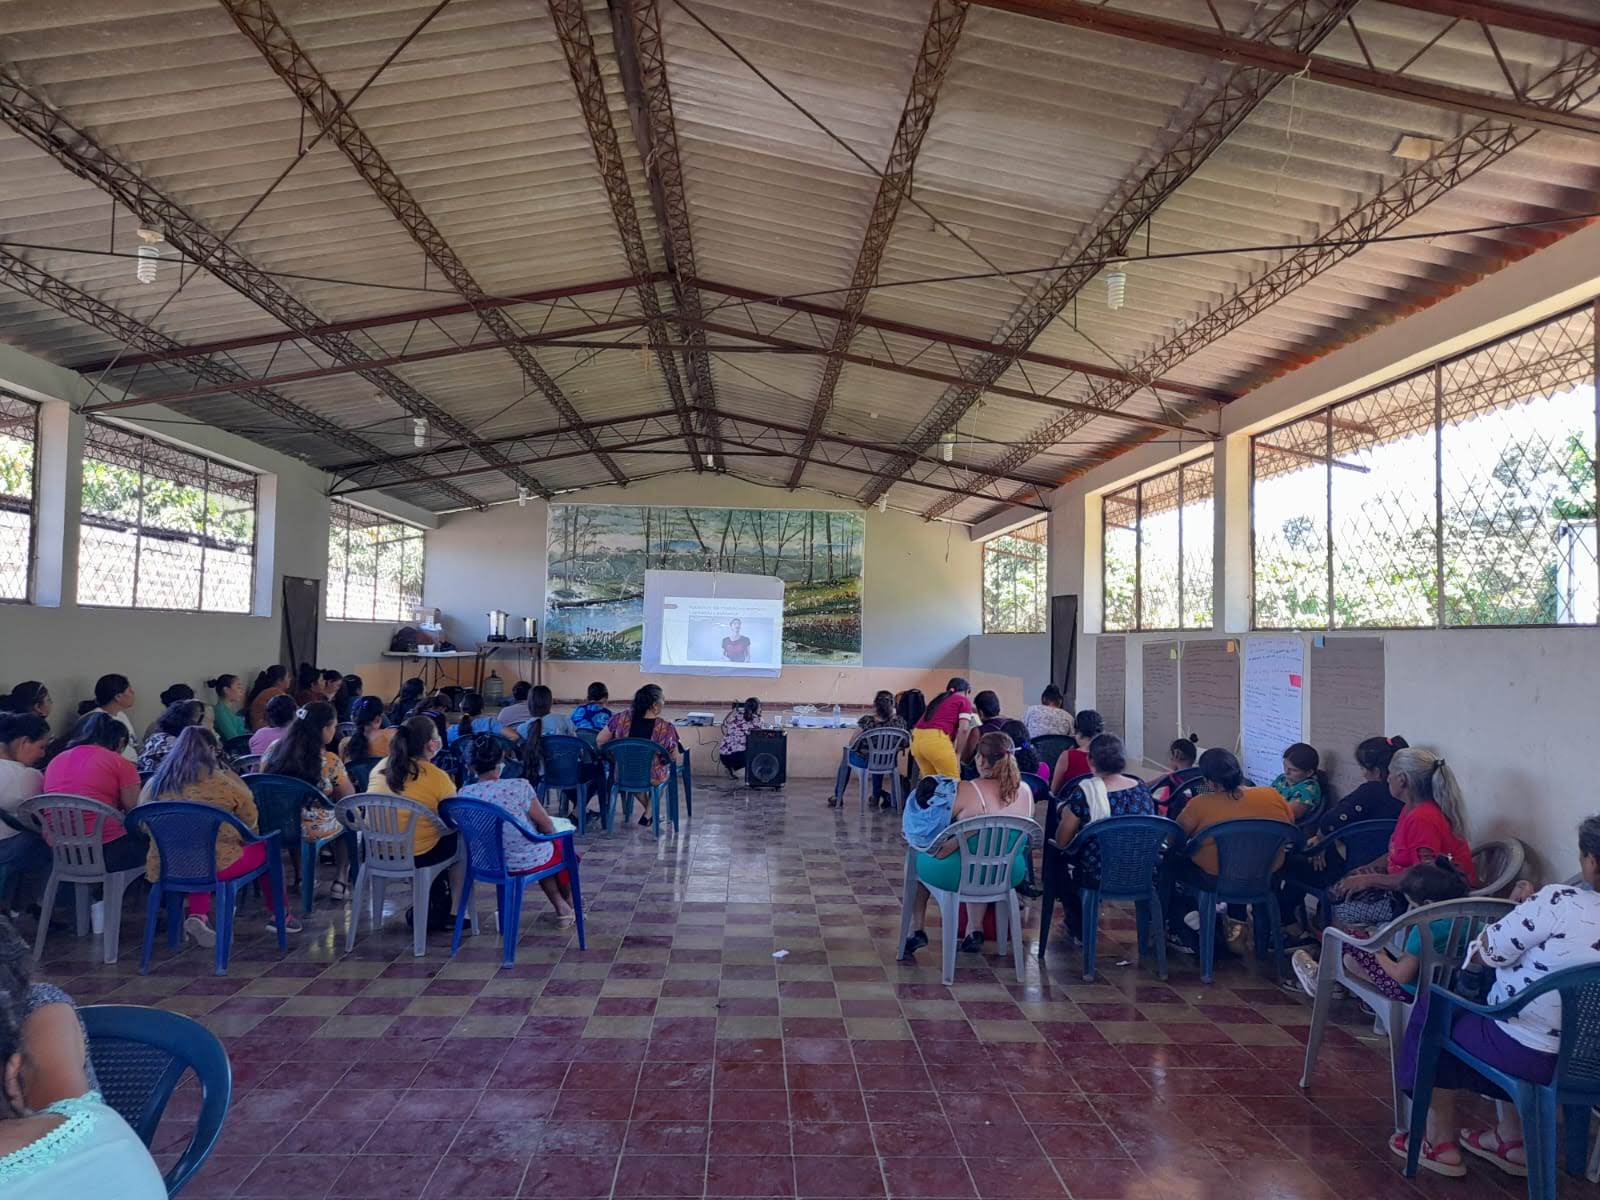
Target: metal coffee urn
[[497, 625]]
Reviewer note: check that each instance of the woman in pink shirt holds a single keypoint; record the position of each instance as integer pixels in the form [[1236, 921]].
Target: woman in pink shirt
[[92, 766]]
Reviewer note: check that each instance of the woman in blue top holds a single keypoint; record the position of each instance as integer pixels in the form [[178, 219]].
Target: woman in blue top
[[473, 721], [593, 715]]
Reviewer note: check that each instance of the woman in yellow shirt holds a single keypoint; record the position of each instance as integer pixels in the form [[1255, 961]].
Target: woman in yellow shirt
[[409, 771]]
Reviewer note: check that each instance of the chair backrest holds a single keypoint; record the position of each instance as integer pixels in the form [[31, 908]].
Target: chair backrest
[[244, 764], [882, 749], [140, 1055], [1247, 854], [1131, 849], [1467, 919], [360, 772], [449, 761], [563, 758], [1182, 787], [988, 845], [1577, 1073], [1497, 865], [185, 834], [483, 828], [632, 759], [279, 799], [384, 825], [589, 735], [237, 747], [1051, 746], [72, 825], [1363, 841], [346, 728]]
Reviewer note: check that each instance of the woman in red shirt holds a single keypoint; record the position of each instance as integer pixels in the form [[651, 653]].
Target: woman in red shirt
[[1432, 825], [1086, 726], [933, 738]]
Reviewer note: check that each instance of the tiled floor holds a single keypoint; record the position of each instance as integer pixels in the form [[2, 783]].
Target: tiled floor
[[678, 1057]]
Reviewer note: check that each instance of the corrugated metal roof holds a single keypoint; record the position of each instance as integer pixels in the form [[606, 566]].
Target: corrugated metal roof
[[1038, 129]]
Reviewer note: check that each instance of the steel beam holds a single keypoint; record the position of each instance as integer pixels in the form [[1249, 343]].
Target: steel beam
[[945, 21], [577, 43], [1576, 80], [33, 116], [1212, 43], [66, 298], [642, 60], [1207, 117], [1577, 30], [531, 461], [322, 103]]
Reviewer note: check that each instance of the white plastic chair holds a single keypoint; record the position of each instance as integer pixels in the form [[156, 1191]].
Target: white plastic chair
[[383, 831], [74, 828], [1467, 918], [1498, 865], [987, 845], [882, 749]]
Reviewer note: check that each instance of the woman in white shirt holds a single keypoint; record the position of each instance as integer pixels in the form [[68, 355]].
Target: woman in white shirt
[[1551, 930], [23, 738], [1049, 717]]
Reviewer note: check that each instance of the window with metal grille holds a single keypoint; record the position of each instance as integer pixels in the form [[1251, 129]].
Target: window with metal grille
[[374, 566], [19, 436], [1016, 580], [163, 527], [1156, 560], [1461, 495]]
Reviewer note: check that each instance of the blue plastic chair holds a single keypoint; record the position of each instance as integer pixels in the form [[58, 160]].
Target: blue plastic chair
[[1051, 746], [570, 765], [1131, 850], [360, 772], [185, 835], [140, 1055], [1364, 842], [280, 800], [482, 829], [449, 761], [1574, 1088], [629, 762], [1247, 867]]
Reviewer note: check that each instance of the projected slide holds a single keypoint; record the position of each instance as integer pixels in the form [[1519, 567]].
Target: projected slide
[[703, 623]]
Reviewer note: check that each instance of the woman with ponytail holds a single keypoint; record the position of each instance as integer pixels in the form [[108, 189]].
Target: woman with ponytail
[[225, 714], [302, 753], [472, 720], [1086, 726], [1432, 826], [370, 739], [643, 720], [884, 715], [409, 771], [736, 727], [941, 728], [269, 683], [541, 723], [405, 700], [997, 792]]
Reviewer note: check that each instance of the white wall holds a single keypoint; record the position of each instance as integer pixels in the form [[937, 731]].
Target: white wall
[[921, 582], [1512, 710], [1025, 655], [68, 647]]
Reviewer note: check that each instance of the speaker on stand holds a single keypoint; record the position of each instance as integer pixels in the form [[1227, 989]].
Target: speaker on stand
[[766, 759]]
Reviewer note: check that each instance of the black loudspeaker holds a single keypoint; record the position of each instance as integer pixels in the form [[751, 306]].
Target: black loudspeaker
[[766, 759]]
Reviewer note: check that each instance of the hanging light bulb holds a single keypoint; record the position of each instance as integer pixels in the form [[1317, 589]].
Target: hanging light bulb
[[149, 255], [883, 503], [1116, 289], [419, 432], [947, 445], [522, 497]]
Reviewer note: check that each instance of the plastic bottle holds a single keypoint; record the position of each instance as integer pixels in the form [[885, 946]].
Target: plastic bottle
[[838, 717]]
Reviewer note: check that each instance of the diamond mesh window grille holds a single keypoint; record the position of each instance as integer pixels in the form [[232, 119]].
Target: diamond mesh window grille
[[19, 438], [163, 527], [1462, 495], [1157, 549], [1016, 580], [374, 566]]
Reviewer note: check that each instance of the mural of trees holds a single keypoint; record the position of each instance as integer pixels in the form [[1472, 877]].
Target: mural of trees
[[598, 555]]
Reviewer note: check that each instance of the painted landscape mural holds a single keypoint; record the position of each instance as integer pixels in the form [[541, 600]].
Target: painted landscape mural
[[594, 594]]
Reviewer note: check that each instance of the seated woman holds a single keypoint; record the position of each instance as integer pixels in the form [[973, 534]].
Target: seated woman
[[643, 720], [225, 714], [1107, 792], [57, 1137], [1086, 726], [23, 738], [1555, 928], [1049, 717], [1225, 798], [1034, 773], [593, 715], [516, 712], [882, 716], [409, 771], [194, 771], [1431, 826], [370, 739], [270, 682], [1303, 782], [53, 1036], [93, 766], [300, 753], [28, 697], [543, 723], [736, 727], [405, 700], [472, 721], [177, 717], [279, 713], [175, 694], [1181, 755], [986, 707], [517, 797], [997, 791]]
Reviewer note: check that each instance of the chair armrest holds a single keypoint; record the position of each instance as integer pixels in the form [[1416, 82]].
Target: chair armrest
[[1516, 1004], [16, 822]]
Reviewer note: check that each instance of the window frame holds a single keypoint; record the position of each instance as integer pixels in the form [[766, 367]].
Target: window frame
[[380, 519], [31, 554], [1137, 488], [1043, 563], [210, 460], [1433, 370]]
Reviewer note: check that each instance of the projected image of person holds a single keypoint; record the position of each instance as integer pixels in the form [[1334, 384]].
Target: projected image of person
[[736, 647]]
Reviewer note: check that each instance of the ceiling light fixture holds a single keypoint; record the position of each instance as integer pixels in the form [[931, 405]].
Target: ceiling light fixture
[[1116, 289], [522, 497], [947, 445], [149, 255], [883, 503], [419, 432]]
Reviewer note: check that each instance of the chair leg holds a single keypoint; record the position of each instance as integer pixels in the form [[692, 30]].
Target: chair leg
[[152, 914], [908, 898], [1014, 905], [948, 918], [1575, 1123], [1435, 1036], [1396, 1031], [1537, 1107], [1089, 898], [116, 885], [174, 920], [513, 921], [1275, 930], [577, 894], [362, 884], [1593, 1173], [224, 902], [47, 906], [81, 900], [1158, 932], [1206, 906], [421, 885], [1047, 902], [308, 874], [377, 890], [463, 906], [1321, 1005], [275, 882]]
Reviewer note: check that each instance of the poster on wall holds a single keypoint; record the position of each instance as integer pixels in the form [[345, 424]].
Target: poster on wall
[[598, 555], [1270, 711]]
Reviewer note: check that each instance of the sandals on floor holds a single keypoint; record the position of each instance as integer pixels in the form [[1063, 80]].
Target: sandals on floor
[[1429, 1158], [340, 890], [1472, 1141]]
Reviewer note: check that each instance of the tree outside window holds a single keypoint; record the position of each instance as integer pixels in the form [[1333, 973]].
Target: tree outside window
[[1016, 580]]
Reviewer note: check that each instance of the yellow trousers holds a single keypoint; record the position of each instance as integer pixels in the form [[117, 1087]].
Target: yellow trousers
[[935, 753]]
